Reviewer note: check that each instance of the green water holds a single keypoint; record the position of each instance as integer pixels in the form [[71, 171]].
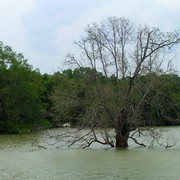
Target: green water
[[20, 159]]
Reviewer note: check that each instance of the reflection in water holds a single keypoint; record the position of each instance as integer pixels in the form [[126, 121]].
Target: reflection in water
[[20, 159]]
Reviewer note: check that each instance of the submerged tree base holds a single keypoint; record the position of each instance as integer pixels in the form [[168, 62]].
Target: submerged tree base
[[121, 142]]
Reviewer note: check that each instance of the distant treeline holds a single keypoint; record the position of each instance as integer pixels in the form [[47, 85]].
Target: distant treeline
[[78, 85], [31, 101]]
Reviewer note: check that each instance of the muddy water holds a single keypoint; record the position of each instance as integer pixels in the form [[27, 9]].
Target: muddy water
[[20, 159]]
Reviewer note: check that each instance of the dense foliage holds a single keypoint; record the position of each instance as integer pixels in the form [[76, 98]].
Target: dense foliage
[[30, 100], [21, 92], [74, 93]]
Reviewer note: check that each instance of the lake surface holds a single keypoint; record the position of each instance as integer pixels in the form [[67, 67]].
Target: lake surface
[[21, 159]]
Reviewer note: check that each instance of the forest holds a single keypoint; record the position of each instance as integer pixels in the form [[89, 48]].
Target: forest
[[30, 101], [122, 80]]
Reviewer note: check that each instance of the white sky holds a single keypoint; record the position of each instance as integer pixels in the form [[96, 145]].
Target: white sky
[[44, 30]]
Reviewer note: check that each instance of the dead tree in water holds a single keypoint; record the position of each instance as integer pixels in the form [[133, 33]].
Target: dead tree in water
[[125, 53]]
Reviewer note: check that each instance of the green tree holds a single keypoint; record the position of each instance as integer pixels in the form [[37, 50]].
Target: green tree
[[68, 87], [21, 90], [160, 107]]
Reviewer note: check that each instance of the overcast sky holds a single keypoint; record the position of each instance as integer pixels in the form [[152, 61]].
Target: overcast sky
[[44, 30]]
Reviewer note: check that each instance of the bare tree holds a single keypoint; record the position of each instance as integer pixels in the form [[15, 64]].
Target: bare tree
[[118, 47]]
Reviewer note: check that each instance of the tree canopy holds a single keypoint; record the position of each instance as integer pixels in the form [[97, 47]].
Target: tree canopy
[[21, 90]]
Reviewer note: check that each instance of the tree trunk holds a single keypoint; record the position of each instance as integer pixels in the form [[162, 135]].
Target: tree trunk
[[122, 130], [121, 141]]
